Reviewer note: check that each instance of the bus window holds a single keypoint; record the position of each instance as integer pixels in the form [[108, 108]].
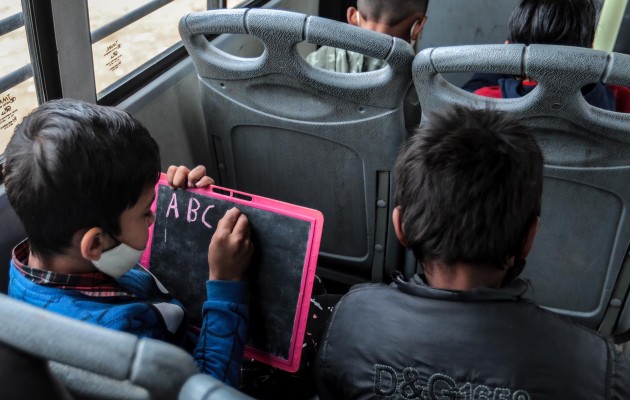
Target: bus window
[[17, 86], [128, 33], [234, 3]]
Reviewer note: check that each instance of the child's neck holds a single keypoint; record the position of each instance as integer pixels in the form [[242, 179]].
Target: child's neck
[[70, 262], [462, 276]]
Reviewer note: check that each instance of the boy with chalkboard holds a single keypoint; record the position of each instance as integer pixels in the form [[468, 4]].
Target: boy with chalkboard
[[81, 179], [468, 206]]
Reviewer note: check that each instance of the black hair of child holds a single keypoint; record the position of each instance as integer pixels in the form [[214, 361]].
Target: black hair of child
[[565, 22], [71, 165], [469, 187], [391, 12]]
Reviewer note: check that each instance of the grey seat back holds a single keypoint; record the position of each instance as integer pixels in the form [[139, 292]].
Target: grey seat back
[[290, 131], [450, 24], [579, 264], [23, 376], [94, 362], [204, 387]]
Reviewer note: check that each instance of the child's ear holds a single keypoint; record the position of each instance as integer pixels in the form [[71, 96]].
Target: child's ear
[[528, 241], [92, 244], [417, 29], [352, 14], [398, 229]]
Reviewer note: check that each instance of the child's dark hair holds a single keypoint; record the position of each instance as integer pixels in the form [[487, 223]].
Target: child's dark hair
[[72, 165], [391, 12], [469, 187], [563, 22]]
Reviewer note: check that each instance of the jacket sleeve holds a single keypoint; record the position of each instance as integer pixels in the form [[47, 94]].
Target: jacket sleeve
[[219, 350], [622, 98], [620, 377], [480, 80], [490, 91]]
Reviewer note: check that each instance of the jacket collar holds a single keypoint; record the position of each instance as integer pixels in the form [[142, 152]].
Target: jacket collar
[[417, 286], [596, 94]]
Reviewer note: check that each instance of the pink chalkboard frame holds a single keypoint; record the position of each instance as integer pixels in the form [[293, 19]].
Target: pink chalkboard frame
[[315, 218]]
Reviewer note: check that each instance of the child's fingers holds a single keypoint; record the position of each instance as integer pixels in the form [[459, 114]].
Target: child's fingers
[[204, 182], [195, 175], [241, 228], [227, 223], [180, 177], [170, 174]]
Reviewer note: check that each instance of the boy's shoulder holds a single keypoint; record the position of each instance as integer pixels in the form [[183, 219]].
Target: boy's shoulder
[[136, 306], [364, 295], [142, 283], [91, 290]]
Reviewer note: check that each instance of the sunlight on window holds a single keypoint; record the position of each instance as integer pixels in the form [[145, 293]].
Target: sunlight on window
[[19, 99], [121, 52], [234, 3]]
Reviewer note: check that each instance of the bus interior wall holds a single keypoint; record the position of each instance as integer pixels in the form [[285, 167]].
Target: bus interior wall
[[623, 38], [170, 106]]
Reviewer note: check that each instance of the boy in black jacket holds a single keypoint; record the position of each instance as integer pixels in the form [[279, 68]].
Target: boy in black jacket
[[468, 196]]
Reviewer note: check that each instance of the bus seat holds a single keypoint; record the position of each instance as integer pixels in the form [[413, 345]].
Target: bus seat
[[36, 384], [450, 23], [94, 362], [11, 234], [579, 265], [205, 387], [290, 131]]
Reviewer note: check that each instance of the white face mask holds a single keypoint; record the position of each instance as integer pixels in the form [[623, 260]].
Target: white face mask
[[413, 41], [117, 261]]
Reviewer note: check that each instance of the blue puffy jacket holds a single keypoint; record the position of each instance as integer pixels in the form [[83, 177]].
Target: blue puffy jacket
[[152, 312]]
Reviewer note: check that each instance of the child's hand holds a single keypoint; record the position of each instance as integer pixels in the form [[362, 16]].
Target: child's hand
[[230, 249], [182, 177]]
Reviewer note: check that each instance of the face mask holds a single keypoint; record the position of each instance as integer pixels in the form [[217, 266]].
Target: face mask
[[413, 41], [358, 19], [118, 261]]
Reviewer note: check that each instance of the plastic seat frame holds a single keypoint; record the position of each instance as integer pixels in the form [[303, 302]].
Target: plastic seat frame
[[287, 130], [579, 265]]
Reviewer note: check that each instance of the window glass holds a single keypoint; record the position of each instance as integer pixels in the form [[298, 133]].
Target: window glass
[[17, 94], [119, 53], [234, 3]]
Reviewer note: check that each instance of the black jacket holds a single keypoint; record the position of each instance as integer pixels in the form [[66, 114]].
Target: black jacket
[[408, 340]]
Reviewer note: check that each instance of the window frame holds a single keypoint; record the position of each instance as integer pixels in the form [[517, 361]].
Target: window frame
[[60, 48], [36, 18], [23, 73], [147, 72]]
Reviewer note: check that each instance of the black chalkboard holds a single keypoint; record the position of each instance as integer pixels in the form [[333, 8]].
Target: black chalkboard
[[185, 222]]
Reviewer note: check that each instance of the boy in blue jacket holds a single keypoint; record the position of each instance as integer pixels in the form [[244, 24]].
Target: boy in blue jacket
[[551, 22], [81, 179]]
